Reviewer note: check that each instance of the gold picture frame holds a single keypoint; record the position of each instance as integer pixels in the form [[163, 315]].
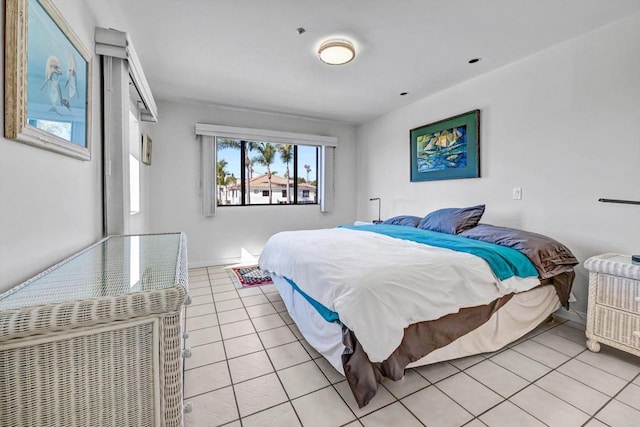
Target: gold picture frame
[[47, 80], [147, 145]]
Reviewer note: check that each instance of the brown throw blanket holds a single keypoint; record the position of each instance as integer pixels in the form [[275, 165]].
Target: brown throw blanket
[[421, 339]]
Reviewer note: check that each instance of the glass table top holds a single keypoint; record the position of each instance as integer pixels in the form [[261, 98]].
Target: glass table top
[[114, 266]]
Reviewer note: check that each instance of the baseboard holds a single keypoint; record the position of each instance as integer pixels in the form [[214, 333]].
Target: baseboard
[[219, 261], [214, 262], [572, 315]]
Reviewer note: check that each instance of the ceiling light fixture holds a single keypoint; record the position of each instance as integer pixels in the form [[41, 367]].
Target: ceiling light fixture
[[336, 52]]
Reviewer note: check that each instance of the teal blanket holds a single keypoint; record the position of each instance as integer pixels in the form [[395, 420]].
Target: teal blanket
[[505, 262], [328, 315]]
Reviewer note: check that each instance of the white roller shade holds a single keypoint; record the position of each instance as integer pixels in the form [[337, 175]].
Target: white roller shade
[[266, 135], [117, 44]]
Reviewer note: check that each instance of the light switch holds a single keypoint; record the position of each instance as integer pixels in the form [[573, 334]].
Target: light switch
[[517, 193]]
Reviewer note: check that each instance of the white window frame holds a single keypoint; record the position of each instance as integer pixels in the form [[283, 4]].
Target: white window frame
[[207, 134]]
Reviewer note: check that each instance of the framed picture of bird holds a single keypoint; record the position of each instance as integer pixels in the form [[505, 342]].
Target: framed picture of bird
[[446, 149], [47, 80]]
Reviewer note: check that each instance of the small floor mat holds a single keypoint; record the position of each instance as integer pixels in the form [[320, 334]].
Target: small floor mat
[[251, 275]]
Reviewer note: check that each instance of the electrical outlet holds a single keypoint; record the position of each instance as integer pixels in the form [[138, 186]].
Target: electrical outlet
[[517, 193]]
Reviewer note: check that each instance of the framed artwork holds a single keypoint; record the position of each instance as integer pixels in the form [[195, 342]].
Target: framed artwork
[[447, 149], [146, 149], [47, 80]]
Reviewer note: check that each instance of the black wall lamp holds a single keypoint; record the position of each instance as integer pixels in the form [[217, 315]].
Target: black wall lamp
[[377, 221]]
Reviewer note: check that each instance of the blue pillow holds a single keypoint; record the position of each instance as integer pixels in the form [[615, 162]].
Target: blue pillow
[[408, 220], [452, 220]]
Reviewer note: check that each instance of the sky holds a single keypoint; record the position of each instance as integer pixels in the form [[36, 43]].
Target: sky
[[306, 156]]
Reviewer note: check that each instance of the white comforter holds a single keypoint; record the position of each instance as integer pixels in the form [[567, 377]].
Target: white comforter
[[379, 285]]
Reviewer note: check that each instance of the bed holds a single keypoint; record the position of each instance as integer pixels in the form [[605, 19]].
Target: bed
[[377, 299]]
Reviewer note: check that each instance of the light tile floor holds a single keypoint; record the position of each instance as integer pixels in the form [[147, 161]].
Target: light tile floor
[[251, 367]]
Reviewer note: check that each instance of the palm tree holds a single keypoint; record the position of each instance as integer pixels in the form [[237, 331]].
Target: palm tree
[[224, 180], [249, 146], [251, 168], [286, 155], [267, 153], [308, 169], [248, 164], [230, 180], [221, 175]]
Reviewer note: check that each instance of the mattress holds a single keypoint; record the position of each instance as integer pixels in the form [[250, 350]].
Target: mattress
[[379, 284], [374, 301], [521, 314]]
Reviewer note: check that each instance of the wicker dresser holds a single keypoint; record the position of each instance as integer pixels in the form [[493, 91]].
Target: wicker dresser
[[96, 340], [613, 316]]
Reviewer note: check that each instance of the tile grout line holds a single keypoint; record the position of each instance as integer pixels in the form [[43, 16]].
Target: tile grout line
[[452, 399], [276, 374], [614, 398], [505, 399], [399, 400], [256, 332], [331, 384], [459, 370], [233, 389], [532, 383], [243, 335], [226, 360]]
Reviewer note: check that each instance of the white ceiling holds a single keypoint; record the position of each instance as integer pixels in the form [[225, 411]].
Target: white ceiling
[[247, 53]]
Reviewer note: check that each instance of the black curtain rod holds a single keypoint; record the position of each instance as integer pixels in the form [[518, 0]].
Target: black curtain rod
[[626, 202]]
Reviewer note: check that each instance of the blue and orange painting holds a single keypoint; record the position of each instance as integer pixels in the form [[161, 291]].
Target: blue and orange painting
[[445, 149], [56, 79]]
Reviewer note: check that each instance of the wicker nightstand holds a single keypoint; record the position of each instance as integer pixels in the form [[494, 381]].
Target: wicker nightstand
[[96, 340], [613, 316]]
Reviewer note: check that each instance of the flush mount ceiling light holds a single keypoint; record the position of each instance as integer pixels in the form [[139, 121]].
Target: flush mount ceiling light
[[336, 52]]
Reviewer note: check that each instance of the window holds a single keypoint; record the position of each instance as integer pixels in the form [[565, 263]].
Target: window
[[265, 173], [211, 137]]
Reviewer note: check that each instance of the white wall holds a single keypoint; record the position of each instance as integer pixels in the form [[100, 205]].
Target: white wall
[[50, 204], [563, 124], [175, 173]]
